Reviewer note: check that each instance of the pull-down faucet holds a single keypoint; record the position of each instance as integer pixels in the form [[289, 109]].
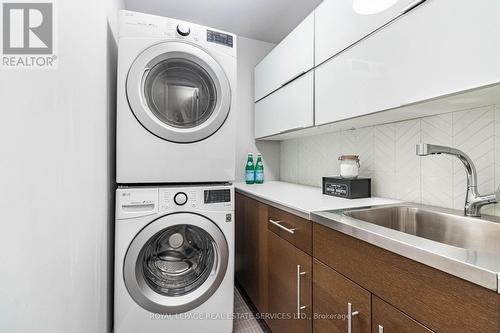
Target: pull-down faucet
[[473, 201]]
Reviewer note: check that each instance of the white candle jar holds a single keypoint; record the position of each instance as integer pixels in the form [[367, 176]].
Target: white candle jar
[[349, 166]]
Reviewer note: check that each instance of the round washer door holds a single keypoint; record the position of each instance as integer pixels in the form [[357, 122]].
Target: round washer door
[[175, 263], [178, 92]]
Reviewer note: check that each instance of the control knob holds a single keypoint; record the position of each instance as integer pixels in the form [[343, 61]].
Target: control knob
[[183, 30], [180, 198]]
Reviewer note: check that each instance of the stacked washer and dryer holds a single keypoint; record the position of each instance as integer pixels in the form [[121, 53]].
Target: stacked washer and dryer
[[174, 231]]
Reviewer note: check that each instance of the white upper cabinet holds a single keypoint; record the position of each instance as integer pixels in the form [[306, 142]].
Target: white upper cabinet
[[288, 60], [440, 48], [341, 23], [289, 108]]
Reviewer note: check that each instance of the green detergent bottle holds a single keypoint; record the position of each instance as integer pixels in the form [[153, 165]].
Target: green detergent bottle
[[250, 170], [259, 170]]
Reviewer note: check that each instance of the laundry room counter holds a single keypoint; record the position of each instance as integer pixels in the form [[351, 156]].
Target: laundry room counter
[[302, 200]]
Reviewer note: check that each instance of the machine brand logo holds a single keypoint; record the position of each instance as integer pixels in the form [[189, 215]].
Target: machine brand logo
[[28, 35]]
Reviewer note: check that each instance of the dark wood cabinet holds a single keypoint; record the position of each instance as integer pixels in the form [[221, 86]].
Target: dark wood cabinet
[[387, 292], [388, 319], [251, 249], [440, 301], [339, 303], [290, 283]]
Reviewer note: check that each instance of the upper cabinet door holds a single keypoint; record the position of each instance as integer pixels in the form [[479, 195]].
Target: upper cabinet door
[[416, 58], [288, 60], [287, 109], [341, 23]]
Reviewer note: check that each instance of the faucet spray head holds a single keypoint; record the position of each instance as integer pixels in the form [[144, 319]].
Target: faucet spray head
[[422, 149]]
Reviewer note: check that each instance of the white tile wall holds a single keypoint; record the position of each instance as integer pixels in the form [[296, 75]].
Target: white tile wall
[[437, 170], [387, 154], [408, 164]]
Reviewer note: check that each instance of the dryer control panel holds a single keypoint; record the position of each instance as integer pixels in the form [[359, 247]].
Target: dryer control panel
[[219, 38], [140, 25]]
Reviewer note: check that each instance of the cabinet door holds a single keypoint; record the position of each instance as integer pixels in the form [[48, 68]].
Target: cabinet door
[[289, 108], [388, 319], [251, 249], [339, 24], [333, 295], [415, 58], [292, 57], [289, 287]]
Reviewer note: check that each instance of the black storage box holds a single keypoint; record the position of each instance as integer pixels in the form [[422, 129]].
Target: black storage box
[[347, 188]]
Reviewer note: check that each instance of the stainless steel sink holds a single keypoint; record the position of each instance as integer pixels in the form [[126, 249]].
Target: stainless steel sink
[[440, 226], [466, 247]]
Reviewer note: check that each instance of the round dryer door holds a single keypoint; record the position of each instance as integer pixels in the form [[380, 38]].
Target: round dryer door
[[175, 263], [178, 92]]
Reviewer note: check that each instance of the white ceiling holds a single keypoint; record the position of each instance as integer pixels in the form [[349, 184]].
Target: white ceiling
[[266, 20]]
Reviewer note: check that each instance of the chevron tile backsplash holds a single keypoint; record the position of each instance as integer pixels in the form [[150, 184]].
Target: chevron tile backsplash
[[387, 154]]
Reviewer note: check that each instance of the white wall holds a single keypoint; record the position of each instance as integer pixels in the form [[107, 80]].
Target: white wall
[[113, 7], [55, 185], [387, 154], [250, 52]]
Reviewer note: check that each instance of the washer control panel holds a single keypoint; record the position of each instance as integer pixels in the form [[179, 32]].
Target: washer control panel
[[132, 203], [210, 198], [136, 202], [217, 196]]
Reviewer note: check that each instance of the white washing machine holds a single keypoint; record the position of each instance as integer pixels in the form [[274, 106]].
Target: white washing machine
[[175, 97], [174, 259]]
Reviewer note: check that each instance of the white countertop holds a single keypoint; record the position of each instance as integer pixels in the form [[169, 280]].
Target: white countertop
[[302, 200]]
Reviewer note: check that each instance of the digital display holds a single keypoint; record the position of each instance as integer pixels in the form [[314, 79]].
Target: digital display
[[216, 196], [219, 38]]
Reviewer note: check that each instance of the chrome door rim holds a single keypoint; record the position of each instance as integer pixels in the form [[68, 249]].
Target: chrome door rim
[[154, 302], [135, 91]]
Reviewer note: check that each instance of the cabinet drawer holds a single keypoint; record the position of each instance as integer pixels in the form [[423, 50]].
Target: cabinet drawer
[[290, 58], [289, 108], [294, 229], [388, 319], [332, 294]]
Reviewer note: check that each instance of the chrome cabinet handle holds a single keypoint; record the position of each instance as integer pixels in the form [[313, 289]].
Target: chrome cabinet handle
[[299, 307], [292, 129], [380, 329], [278, 224], [350, 315], [296, 76], [412, 6]]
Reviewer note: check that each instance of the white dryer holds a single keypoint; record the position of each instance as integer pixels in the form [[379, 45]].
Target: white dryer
[[175, 97], [174, 259]]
